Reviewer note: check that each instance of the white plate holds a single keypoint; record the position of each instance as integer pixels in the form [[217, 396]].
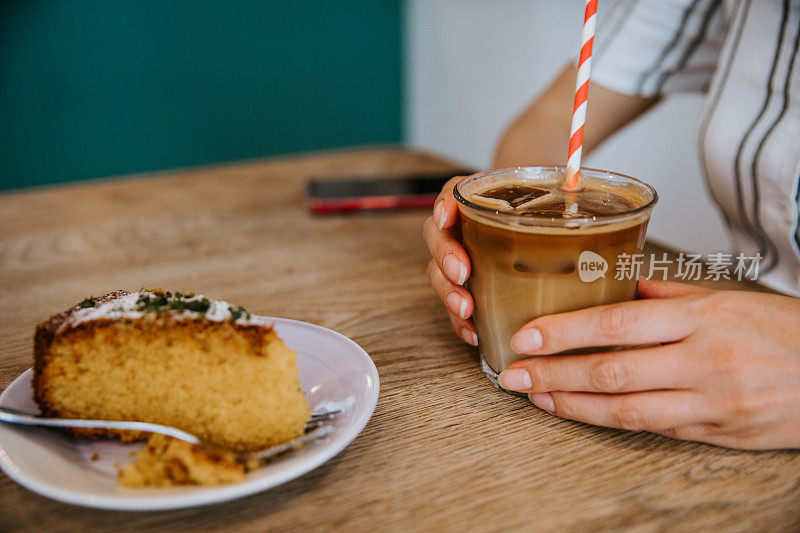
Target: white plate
[[334, 372]]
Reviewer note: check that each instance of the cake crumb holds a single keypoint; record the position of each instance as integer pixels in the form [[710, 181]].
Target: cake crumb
[[168, 462], [95, 457]]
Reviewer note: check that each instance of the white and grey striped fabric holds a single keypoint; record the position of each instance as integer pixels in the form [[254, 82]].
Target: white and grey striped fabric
[[744, 54]]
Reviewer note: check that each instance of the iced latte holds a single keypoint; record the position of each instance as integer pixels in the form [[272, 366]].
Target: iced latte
[[537, 249]]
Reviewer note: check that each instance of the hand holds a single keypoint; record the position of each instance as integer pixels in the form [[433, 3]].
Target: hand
[[450, 267], [728, 372]]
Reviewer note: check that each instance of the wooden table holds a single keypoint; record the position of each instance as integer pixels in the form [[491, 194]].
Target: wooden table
[[444, 450]]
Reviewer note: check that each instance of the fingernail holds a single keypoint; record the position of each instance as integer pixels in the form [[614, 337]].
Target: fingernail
[[439, 215], [455, 269], [469, 336], [516, 379], [457, 304], [527, 340], [543, 400]]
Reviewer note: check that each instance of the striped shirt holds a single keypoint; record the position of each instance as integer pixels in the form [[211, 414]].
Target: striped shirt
[[744, 55]]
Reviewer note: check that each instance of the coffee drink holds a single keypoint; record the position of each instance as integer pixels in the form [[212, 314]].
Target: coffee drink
[[537, 249]]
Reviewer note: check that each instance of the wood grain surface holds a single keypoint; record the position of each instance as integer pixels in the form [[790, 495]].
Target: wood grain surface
[[443, 451]]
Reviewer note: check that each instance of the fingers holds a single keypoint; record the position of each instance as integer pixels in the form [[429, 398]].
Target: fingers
[[450, 266], [439, 234], [627, 323], [641, 411], [448, 253], [650, 288], [464, 329], [645, 369], [457, 299], [458, 302], [445, 210]]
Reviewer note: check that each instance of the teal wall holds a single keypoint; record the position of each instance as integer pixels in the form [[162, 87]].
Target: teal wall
[[92, 88]]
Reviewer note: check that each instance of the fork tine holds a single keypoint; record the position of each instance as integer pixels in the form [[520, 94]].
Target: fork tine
[[324, 415], [313, 435]]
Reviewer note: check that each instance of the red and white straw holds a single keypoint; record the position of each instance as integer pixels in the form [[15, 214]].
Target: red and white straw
[[581, 96]]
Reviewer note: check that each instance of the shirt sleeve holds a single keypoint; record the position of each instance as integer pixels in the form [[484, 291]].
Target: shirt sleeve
[[653, 47]]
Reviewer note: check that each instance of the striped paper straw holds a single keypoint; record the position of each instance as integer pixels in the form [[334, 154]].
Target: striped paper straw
[[581, 97]]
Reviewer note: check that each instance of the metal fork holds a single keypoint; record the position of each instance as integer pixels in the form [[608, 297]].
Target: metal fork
[[315, 429]]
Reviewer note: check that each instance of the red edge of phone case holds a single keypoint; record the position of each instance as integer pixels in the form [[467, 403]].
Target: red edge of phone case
[[343, 205]]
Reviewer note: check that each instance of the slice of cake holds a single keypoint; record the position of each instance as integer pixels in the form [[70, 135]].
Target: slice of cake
[[182, 360]]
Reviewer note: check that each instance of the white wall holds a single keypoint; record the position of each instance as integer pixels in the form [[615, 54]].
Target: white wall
[[472, 65]]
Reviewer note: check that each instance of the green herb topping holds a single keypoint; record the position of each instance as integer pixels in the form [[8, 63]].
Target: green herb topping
[[238, 312], [158, 301]]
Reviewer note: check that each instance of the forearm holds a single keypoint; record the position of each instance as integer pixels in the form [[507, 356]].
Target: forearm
[[540, 135]]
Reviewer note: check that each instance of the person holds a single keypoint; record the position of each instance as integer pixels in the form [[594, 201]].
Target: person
[[723, 366]]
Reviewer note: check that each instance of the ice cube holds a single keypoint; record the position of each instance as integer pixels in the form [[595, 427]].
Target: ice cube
[[510, 196]]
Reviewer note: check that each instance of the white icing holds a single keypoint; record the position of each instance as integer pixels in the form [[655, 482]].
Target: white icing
[[218, 311], [125, 307]]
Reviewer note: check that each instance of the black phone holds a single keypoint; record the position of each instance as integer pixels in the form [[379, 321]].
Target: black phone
[[342, 195]]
